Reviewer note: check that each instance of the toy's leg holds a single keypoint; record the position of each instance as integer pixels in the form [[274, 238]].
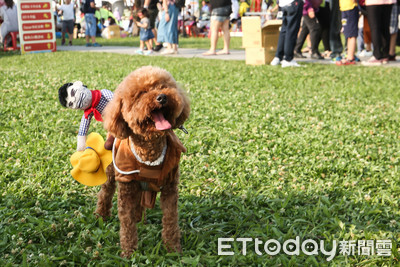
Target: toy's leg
[[169, 204], [128, 202], [105, 196]]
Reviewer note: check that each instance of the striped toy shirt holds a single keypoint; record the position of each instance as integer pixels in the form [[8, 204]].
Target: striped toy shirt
[[106, 96]]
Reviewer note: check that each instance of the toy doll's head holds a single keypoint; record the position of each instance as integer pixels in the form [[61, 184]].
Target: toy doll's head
[[75, 95]]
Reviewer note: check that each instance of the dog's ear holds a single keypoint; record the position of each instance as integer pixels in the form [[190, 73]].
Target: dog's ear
[[114, 121], [186, 108]]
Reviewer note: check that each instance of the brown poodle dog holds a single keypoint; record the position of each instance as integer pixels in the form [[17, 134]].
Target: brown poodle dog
[[146, 106]]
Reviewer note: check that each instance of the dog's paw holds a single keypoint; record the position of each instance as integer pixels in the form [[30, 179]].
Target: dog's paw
[[104, 215], [126, 254]]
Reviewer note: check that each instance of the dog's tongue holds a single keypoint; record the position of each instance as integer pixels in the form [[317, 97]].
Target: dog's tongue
[[161, 122]]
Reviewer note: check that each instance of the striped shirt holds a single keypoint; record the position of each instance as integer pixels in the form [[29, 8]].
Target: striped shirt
[[106, 96]]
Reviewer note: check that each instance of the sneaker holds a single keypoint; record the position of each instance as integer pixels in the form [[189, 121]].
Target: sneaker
[[139, 52], [70, 43], [385, 60], [316, 56], [372, 62], [97, 45], [275, 62], [88, 44], [298, 55], [334, 59], [157, 47], [148, 52], [63, 42], [365, 53], [291, 63], [357, 59]]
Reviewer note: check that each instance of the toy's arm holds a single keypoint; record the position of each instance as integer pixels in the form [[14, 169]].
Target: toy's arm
[[83, 130], [107, 94]]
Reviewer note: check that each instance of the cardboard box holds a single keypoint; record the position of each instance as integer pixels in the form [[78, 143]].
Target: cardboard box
[[111, 32], [259, 55], [251, 29], [259, 41]]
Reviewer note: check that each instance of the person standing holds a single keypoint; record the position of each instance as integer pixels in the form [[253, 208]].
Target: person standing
[[335, 40], [292, 11], [91, 26], [378, 15], [168, 28], [68, 22], [220, 14], [8, 13], [310, 26], [350, 18], [151, 6]]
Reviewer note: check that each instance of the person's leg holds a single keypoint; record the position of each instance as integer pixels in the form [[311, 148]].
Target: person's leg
[[226, 36], [63, 30], [351, 47], [70, 32], [295, 11], [214, 28], [141, 45], [315, 33], [367, 35], [87, 29], [335, 28], [386, 12], [301, 38], [323, 16], [282, 37], [374, 21]]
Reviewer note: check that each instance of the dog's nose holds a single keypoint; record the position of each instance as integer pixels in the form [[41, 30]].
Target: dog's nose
[[162, 99]]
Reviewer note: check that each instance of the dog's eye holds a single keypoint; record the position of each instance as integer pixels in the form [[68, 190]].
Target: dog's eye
[[72, 92], [70, 104]]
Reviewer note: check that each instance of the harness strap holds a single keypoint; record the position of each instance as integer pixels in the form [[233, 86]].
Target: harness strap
[[115, 165]]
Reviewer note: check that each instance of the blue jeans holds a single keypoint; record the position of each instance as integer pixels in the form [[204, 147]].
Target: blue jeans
[[90, 20], [290, 27]]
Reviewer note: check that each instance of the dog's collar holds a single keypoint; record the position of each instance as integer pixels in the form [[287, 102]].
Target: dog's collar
[[157, 162]]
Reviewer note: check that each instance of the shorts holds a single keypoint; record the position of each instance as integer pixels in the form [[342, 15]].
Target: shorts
[[394, 19], [91, 26], [153, 13], [221, 13], [68, 26], [350, 22]]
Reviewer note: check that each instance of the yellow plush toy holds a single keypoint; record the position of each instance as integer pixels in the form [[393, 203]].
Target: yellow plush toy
[[89, 166]]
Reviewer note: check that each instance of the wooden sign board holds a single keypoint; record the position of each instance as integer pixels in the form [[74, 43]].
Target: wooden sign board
[[36, 26]]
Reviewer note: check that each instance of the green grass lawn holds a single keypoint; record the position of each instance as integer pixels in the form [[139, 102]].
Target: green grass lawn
[[272, 154]]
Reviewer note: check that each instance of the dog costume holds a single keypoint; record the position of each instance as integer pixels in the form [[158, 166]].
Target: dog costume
[[152, 176], [89, 166]]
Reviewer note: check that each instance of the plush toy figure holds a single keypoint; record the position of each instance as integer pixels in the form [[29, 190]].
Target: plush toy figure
[[78, 96]]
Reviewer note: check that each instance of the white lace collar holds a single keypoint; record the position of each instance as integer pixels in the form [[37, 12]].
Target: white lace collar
[[157, 162]]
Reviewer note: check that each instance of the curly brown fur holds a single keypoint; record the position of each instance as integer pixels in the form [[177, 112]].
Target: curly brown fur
[[105, 196], [129, 114]]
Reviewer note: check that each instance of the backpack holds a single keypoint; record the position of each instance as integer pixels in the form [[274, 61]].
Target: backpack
[[83, 6], [180, 3]]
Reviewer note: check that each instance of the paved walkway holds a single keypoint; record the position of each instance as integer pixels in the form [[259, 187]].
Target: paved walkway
[[188, 53]]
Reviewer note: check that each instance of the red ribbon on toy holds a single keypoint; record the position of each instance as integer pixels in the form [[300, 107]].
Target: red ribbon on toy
[[96, 96]]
